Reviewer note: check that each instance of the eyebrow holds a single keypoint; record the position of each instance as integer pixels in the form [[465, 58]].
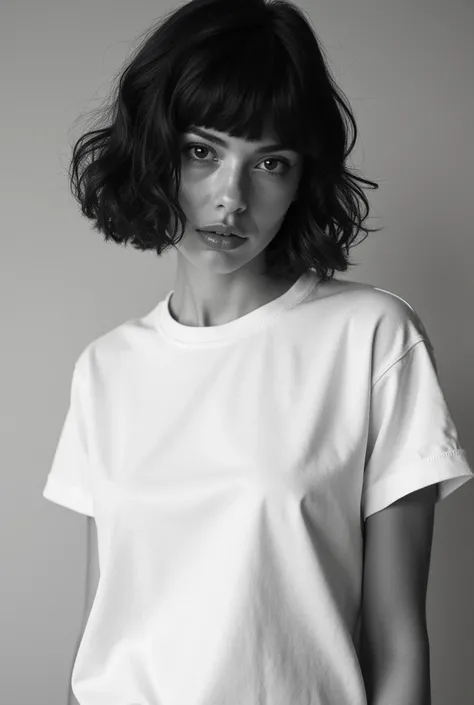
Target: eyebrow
[[276, 147]]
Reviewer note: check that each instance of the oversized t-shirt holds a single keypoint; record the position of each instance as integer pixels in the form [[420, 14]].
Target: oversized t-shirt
[[230, 470]]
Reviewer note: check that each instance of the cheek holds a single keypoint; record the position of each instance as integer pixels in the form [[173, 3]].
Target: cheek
[[193, 195], [188, 200], [274, 206]]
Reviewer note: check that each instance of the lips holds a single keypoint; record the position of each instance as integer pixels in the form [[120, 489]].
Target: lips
[[220, 229], [222, 234]]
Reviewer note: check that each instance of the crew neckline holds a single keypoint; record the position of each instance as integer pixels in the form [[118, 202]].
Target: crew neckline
[[240, 327]]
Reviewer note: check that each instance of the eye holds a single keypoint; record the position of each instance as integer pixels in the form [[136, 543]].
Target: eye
[[283, 162]]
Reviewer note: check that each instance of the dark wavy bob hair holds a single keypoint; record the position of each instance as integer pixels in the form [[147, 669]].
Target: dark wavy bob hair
[[239, 67]]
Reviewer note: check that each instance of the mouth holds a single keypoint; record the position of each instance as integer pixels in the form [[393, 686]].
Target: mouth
[[214, 232]]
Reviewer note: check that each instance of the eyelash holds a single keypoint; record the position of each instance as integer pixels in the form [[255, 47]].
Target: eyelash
[[204, 146]]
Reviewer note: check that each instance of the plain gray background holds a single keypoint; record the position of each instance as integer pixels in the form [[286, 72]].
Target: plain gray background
[[407, 68]]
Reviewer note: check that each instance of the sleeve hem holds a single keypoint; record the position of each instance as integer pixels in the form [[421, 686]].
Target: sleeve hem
[[450, 470], [69, 497]]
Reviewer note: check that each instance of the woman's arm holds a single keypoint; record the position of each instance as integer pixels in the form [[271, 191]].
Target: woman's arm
[[394, 636], [92, 582]]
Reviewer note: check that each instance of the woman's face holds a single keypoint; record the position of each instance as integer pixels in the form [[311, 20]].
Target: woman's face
[[245, 185]]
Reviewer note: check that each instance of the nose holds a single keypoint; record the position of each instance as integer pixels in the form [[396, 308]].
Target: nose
[[230, 192]]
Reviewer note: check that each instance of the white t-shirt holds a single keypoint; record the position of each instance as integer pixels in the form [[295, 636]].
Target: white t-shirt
[[230, 470]]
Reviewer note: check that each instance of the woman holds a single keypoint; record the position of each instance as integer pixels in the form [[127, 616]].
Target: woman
[[262, 451]]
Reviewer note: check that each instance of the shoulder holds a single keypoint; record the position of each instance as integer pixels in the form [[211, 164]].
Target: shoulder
[[373, 302], [104, 356], [380, 322], [366, 304]]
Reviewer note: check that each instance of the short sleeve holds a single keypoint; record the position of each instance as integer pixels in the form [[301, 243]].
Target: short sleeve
[[68, 482], [412, 439]]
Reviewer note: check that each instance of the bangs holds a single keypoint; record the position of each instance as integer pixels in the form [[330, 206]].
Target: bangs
[[246, 88]]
